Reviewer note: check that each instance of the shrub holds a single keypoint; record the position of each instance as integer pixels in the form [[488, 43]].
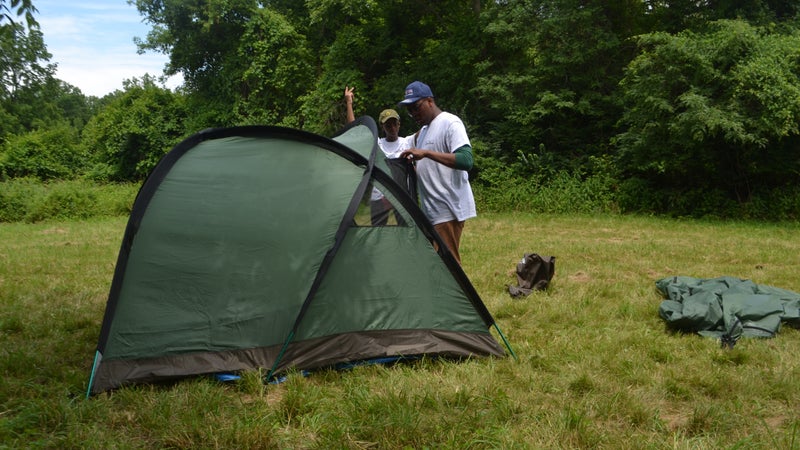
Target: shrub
[[16, 196], [43, 154], [513, 187], [29, 200], [63, 201], [777, 204], [637, 195], [134, 131]]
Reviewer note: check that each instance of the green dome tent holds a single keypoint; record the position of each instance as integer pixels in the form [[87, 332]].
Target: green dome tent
[[249, 248]]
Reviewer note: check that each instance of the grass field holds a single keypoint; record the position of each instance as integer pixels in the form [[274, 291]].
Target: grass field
[[596, 366]]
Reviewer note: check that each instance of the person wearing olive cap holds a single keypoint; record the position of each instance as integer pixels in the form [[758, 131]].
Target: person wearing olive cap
[[443, 155], [392, 145]]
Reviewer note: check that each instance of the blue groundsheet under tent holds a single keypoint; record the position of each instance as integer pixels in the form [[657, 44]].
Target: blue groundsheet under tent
[[726, 307]]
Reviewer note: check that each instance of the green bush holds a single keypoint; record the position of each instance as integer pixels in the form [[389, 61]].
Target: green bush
[[570, 193], [641, 196], [496, 187], [131, 134], [43, 154], [16, 196], [63, 201], [637, 195], [777, 204], [117, 199], [525, 186], [29, 200], [703, 203]]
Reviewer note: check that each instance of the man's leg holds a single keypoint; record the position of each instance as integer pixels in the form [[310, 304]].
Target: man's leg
[[450, 233]]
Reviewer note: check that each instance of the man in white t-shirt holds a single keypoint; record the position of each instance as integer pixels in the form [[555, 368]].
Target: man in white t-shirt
[[443, 155], [392, 145]]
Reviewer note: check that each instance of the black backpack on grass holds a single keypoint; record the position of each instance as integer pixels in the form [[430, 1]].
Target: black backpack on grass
[[534, 273]]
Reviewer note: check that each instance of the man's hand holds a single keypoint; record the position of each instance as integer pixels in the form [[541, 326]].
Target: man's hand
[[348, 95], [415, 154], [348, 101]]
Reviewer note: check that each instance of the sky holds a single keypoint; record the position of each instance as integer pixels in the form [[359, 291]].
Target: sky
[[92, 43]]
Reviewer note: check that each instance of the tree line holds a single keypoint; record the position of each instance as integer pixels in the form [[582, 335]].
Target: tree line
[[678, 107]]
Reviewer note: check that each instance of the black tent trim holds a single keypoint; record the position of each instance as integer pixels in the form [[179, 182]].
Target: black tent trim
[[347, 219]]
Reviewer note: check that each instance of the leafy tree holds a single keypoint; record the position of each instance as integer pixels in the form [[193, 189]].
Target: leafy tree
[[22, 48], [380, 48], [289, 61], [536, 81], [15, 8], [202, 39], [354, 46], [714, 110], [447, 44], [278, 73], [40, 116], [551, 74], [23, 61], [47, 104], [46, 120], [679, 15], [134, 130]]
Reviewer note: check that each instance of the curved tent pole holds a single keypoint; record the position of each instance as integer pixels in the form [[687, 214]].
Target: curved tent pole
[[344, 225]]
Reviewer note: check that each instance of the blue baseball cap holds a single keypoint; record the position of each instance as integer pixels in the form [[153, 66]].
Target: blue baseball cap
[[416, 91]]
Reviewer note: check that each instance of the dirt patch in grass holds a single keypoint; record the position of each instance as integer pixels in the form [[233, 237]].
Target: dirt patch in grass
[[580, 277]]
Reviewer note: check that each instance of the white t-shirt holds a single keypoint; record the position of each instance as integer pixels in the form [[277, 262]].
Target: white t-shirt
[[392, 149], [445, 193]]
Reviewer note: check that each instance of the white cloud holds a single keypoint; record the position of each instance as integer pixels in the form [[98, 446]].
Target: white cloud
[[92, 44]]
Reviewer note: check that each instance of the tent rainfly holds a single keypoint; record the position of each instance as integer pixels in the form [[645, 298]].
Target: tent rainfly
[[250, 247]]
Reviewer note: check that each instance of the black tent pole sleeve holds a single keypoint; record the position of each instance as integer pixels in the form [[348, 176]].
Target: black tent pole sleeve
[[344, 225]]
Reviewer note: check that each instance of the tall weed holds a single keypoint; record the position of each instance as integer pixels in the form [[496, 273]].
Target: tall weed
[[562, 193], [29, 200]]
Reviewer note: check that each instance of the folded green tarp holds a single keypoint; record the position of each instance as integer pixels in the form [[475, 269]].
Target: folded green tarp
[[726, 307]]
